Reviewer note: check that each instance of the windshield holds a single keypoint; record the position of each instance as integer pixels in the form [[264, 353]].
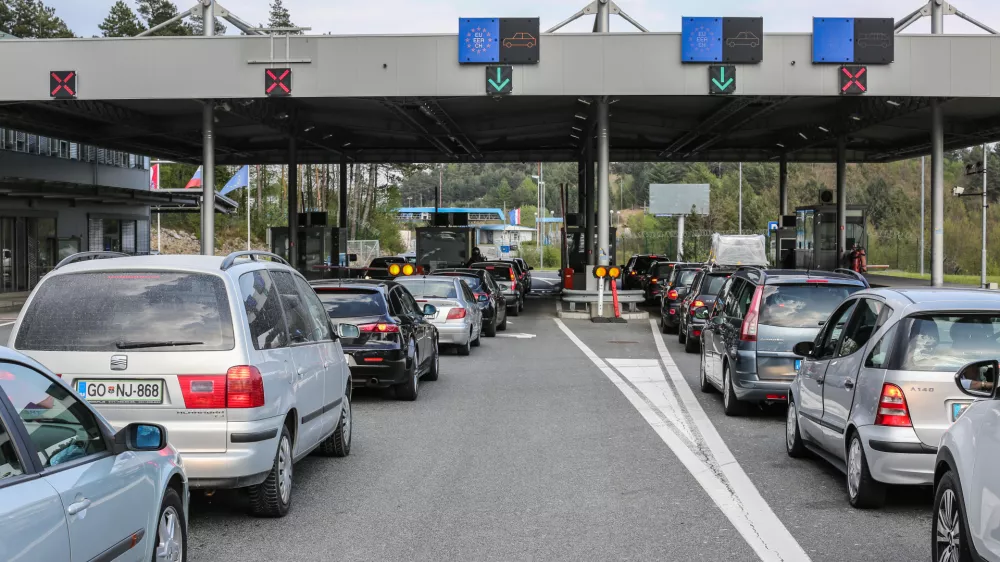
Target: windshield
[[352, 303], [106, 311], [430, 288], [713, 284], [801, 306], [947, 342]]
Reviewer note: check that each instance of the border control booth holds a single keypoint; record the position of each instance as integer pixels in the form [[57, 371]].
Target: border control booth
[[816, 235]]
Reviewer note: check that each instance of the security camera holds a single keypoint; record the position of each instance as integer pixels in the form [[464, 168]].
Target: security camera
[[958, 191]]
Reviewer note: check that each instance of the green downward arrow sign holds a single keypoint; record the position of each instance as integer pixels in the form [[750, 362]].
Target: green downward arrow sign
[[721, 83], [497, 84]]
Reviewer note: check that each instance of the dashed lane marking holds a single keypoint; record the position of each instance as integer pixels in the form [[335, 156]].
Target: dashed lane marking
[[517, 336], [705, 455]]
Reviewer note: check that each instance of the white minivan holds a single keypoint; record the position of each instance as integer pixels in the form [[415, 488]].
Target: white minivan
[[235, 356]]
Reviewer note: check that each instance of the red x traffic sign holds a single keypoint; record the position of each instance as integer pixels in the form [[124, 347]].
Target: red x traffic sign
[[853, 80], [62, 84], [278, 82]]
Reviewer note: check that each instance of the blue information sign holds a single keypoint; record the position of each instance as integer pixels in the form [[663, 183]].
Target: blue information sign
[[833, 40], [701, 39], [772, 226], [505, 249], [478, 40]]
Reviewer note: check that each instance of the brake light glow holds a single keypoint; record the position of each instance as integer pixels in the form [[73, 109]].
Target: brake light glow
[[695, 306], [892, 409], [456, 314], [776, 397], [816, 281], [697, 333], [203, 392], [244, 387], [748, 331], [381, 328], [654, 280], [372, 359], [672, 295]]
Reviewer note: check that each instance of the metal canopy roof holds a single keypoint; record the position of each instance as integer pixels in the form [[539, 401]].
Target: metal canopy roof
[[163, 200], [406, 99]]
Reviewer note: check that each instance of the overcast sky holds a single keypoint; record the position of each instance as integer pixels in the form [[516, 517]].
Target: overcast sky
[[441, 16]]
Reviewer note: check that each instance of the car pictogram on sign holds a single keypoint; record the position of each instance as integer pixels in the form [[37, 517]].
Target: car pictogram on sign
[[874, 40], [744, 38], [520, 40]]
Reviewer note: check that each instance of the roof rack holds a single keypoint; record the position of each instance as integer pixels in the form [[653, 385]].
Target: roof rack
[[854, 274], [253, 255], [86, 256]]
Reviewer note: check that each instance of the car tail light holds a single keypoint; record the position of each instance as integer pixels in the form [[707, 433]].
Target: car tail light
[[748, 331], [776, 397], [672, 295], [654, 280], [695, 306], [203, 392], [381, 328], [456, 314], [372, 359], [892, 409], [244, 387], [816, 280], [631, 273], [697, 333]]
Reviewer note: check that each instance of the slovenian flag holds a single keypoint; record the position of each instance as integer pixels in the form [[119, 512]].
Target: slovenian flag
[[515, 216], [154, 177], [241, 179], [195, 180]]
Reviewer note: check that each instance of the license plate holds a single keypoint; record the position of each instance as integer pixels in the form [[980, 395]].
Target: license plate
[[798, 364], [957, 409], [121, 391]]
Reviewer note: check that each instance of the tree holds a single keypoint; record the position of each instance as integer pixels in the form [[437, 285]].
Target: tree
[[197, 27], [279, 15], [32, 19], [155, 12], [121, 21]]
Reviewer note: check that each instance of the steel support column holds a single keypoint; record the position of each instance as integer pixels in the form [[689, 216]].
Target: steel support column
[[782, 187], [342, 220], [986, 205], [581, 187], [603, 22], [937, 18], [588, 243], [937, 195], [841, 199], [208, 179], [603, 190], [293, 203]]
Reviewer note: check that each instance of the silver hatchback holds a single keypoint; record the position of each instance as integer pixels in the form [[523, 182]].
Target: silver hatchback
[[876, 389], [236, 357]]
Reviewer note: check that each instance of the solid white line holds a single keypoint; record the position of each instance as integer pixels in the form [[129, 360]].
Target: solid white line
[[7, 324], [647, 377], [780, 543], [728, 496]]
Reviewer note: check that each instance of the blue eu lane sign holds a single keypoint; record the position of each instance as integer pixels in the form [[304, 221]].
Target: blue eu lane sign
[[701, 40], [478, 40]]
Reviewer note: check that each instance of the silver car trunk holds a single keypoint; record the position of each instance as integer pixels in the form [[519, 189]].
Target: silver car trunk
[[930, 397], [443, 306]]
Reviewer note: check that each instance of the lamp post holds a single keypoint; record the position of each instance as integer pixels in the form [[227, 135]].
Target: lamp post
[[540, 178]]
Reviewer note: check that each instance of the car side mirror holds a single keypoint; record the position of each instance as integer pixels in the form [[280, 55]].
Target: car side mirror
[[348, 331], [141, 437], [804, 349], [978, 379], [483, 298], [530, 268], [430, 310]]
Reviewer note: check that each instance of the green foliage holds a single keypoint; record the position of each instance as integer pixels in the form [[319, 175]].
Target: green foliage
[[279, 16], [155, 12], [31, 19], [121, 21]]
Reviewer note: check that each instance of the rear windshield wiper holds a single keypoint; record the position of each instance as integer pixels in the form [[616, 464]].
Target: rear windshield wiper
[[142, 344]]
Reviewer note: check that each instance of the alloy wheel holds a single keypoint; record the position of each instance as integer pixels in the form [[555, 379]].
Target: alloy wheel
[[285, 471], [791, 421], [854, 467], [169, 545], [949, 529], [346, 422]]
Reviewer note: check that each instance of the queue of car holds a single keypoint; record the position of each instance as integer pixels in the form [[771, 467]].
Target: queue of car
[[217, 373]]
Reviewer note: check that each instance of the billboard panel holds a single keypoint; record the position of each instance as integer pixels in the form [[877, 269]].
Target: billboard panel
[[678, 198]]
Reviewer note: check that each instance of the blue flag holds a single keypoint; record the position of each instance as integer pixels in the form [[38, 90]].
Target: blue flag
[[241, 179]]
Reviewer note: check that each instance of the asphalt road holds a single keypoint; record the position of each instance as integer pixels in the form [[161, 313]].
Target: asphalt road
[[527, 450]]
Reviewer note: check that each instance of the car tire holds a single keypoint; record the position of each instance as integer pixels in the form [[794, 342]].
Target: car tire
[[479, 338], [503, 325], [863, 491], [465, 349], [703, 383], [435, 370], [949, 509], [273, 496], [691, 344], [491, 328], [663, 325], [338, 444], [793, 439], [171, 531], [516, 311], [409, 390], [681, 334], [731, 405]]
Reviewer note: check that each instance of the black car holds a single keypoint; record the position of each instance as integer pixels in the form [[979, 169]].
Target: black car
[[489, 296], [505, 275], [523, 277], [634, 272], [700, 297], [675, 289], [657, 277], [397, 347], [527, 272]]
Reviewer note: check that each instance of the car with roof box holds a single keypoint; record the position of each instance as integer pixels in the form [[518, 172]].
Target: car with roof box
[[235, 356]]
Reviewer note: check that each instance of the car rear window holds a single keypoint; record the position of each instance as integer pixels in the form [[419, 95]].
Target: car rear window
[[947, 342], [685, 277], [713, 284], [498, 272], [642, 264], [384, 262], [663, 270], [801, 306], [472, 281], [110, 311], [430, 288], [351, 303]]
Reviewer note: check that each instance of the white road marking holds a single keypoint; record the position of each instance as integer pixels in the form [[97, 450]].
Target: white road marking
[[517, 336], [7, 324], [715, 469], [647, 377]]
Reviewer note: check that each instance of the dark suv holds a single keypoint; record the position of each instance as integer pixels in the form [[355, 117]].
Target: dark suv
[[757, 319], [657, 278], [675, 288], [635, 271], [694, 308]]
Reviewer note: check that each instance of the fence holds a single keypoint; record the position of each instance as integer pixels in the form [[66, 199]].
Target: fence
[[367, 250]]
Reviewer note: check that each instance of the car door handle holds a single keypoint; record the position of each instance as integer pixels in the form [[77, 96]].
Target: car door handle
[[848, 384], [326, 364], [77, 507], [301, 371]]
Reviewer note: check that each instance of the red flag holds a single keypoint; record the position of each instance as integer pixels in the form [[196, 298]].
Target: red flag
[[154, 177], [195, 180]]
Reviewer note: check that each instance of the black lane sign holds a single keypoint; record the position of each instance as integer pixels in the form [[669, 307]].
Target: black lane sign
[[519, 39], [853, 80], [743, 40], [62, 84], [499, 80], [874, 40], [277, 82], [721, 80]]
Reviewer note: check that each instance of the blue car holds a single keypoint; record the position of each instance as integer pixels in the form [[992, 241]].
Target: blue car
[[73, 488]]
